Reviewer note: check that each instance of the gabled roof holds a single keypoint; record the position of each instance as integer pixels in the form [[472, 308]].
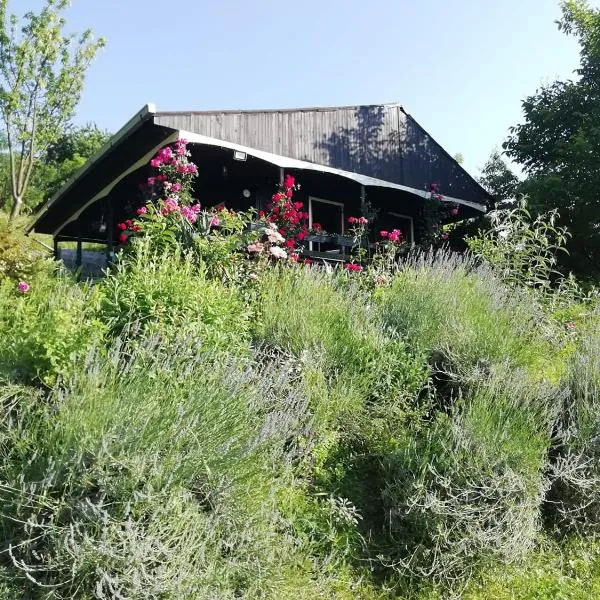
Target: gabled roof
[[375, 145], [378, 140]]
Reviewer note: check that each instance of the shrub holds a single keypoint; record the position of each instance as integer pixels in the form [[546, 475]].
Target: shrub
[[450, 308], [522, 250], [20, 257], [570, 571], [166, 293], [468, 488], [346, 356], [573, 504], [44, 328], [153, 474]]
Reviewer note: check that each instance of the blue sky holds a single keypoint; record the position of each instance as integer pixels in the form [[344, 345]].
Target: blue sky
[[460, 67]]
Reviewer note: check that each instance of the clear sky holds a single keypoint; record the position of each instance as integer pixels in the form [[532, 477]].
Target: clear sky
[[460, 67]]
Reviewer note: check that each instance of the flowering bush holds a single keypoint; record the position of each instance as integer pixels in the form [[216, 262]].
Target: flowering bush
[[168, 208], [358, 230], [287, 216], [435, 211], [233, 245]]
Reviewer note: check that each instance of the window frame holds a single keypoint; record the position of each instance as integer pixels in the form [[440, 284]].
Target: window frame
[[312, 199], [412, 224]]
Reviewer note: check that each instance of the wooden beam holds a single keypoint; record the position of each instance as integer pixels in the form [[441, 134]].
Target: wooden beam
[[79, 255], [110, 232]]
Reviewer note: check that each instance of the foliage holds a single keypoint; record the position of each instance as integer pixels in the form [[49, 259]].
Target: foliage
[[462, 315], [150, 486], [524, 251], [165, 293], [497, 178], [41, 79], [348, 359], [574, 500], [219, 420], [45, 324], [570, 571], [558, 140], [468, 489], [20, 257]]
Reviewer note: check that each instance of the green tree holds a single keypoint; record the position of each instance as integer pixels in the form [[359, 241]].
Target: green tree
[[497, 178], [558, 144], [42, 73], [4, 173]]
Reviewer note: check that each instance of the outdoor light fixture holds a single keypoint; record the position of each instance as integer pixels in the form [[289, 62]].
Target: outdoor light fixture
[[246, 193], [239, 155], [102, 225]]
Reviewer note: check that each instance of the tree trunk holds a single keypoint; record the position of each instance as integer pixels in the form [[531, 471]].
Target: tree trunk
[[16, 208]]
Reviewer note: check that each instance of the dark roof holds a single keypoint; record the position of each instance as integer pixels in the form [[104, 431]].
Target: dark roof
[[379, 141]]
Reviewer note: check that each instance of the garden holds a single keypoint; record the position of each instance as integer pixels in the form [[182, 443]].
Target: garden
[[219, 417]]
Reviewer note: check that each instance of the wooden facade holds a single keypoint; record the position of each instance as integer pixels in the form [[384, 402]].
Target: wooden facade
[[379, 141]]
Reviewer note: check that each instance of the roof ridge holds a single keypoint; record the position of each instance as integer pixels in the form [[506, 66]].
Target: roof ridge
[[275, 110]]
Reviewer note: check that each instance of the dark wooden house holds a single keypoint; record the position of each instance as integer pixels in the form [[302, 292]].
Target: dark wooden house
[[345, 158]]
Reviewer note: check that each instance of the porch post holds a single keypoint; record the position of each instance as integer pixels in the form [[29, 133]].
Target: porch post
[[79, 253], [281, 175], [110, 232]]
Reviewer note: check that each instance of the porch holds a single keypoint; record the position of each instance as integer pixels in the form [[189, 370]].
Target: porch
[[242, 178]]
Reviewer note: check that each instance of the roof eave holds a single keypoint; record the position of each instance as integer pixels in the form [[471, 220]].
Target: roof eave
[[147, 112]]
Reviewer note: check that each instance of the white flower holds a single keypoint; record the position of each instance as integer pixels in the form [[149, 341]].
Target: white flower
[[274, 236], [278, 252]]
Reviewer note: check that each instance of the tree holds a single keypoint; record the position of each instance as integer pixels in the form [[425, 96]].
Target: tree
[[497, 178], [558, 144], [42, 73], [4, 173], [61, 160]]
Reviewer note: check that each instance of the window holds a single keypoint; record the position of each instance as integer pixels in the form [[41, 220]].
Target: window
[[402, 222], [329, 214]]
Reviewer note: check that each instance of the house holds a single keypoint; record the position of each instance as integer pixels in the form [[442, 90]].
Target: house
[[345, 158]]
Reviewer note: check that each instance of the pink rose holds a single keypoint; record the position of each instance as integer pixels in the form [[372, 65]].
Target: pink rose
[[278, 252], [256, 247]]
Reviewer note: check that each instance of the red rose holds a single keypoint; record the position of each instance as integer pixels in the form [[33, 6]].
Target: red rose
[[289, 181]]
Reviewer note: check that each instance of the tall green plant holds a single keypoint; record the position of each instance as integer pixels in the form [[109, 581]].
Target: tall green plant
[[42, 73], [523, 250]]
